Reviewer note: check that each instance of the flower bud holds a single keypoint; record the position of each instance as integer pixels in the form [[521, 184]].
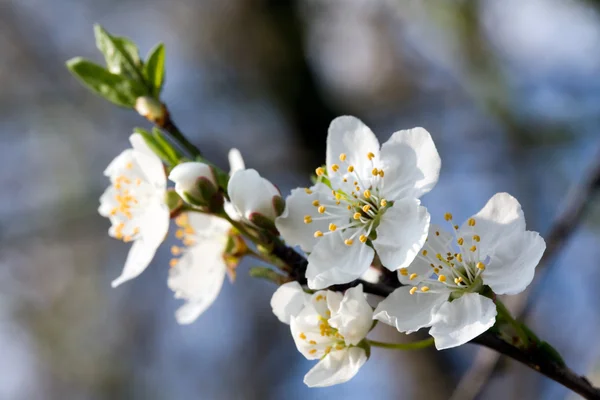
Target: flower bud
[[151, 109], [195, 183]]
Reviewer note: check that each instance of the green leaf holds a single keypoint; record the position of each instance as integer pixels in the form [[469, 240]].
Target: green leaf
[[173, 154], [154, 145], [130, 48], [551, 353], [120, 55], [154, 70], [114, 88]]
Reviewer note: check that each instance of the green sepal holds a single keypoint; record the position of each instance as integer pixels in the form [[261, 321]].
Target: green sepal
[[267, 274], [263, 222], [114, 88], [278, 205], [551, 353], [364, 344], [154, 69], [174, 202]]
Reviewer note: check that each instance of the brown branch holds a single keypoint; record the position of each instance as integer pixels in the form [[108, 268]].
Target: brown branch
[[535, 360]]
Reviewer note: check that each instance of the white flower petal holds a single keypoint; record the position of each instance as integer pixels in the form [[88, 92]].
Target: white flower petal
[[337, 367], [461, 320], [288, 300], [332, 262], [236, 162], [409, 312], [198, 278], [512, 268], [354, 317], [401, 233], [154, 227], [498, 219], [349, 135], [250, 193], [437, 242], [151, 166], [411, 164], [306, 330], [298, 205]]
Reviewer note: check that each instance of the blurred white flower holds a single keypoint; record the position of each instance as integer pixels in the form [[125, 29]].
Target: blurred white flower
[[253, 197], [372, 202], [199, 267], [194, 182], [288, 300], [135, 205], [329, 328], [491, 248]]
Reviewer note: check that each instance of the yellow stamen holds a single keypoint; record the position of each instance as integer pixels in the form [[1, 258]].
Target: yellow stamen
[[356, 215], [442, 278], [335, 167], [370, 155], [413, 290], [375, 171], [321, 209], [348, 242], [343, 157], [381, 173], [403, 271], [173, 262], [367, 194], [350, 168], [458, 280], [318, 234], [366, 208], [476, 238], [459, 257], [302, 336], [425, 289], [319, 297], [461, 241], [319, 171], [312, 351], [480, 265], [424, 252], [383, 203], [412, 276], [471, 221], [175, 250], [473, 248], [316, 203], [308, 191], [437, 233], [332, 227], [363, 238], [179, 233], [312, 342], [307, 219], [447, 216]]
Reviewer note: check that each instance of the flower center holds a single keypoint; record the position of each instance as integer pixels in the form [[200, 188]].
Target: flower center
[[185, 234], [459, 271], [355, 203], [126, 185], [327, 339]]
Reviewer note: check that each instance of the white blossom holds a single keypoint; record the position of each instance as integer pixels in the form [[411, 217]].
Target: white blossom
[[198, 268], [368, 202], [491, 248], [253, 196], [189, 177], [135, 205], [328, 327]]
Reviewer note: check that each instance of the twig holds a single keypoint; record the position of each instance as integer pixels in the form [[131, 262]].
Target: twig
[[575, 206]]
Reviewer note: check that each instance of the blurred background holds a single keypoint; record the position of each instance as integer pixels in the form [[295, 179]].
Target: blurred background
[[510, 91]]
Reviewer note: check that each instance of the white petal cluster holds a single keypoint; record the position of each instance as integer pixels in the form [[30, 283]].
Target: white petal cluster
[[326, 326], [366, 202], [135, 205], [492, 248]]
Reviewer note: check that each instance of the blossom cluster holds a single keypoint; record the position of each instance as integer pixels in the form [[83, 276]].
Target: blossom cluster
[[362, 213]]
